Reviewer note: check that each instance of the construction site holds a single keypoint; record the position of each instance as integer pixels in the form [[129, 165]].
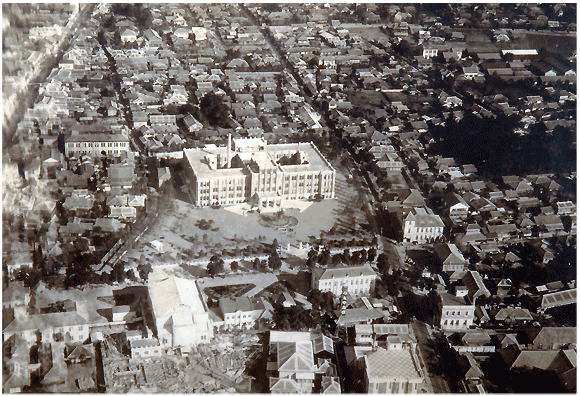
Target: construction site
[[220, 367]]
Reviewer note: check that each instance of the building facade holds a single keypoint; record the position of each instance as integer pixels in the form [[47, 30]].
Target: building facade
[[94, 144], [255, 172], [422, 225], [358, 281], [456, 313]]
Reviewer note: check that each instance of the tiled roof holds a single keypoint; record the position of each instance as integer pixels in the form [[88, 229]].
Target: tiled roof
[[398, 365]]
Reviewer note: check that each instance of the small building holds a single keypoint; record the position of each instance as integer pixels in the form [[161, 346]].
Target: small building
[[148, 347], [241, 311]]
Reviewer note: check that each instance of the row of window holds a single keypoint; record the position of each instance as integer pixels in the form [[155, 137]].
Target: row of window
[[340, 282], [456, 313], [454, 322], [108, 144]]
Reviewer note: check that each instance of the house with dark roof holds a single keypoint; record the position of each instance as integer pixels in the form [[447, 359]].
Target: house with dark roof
[[450, 257], [241, 311]]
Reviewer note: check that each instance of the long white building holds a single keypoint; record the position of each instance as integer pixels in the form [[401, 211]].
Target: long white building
[[93, 144], [253, 171]]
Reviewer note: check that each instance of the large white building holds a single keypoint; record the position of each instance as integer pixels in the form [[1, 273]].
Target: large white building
[[181, 316], [93, 144], [357, 281], [456, 312], [253, 171], [422, 225]]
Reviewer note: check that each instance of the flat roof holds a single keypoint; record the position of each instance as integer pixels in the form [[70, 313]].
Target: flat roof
[[391, 365]]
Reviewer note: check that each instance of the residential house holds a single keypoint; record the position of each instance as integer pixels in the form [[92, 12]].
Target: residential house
[[128, 36], [513, 316], [241, 311], [450, 257], [355, 280], [58, 326], [146, 348], [192, 124], [121, 175], [458, 208], [475, 286], [552, 337], [422, 225], [15, 295]]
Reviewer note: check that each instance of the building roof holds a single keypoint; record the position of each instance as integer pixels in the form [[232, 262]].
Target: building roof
[[450, 299], [513, 313], [323, 343], [16, 291], [284, 385], [295, 357], [344, 272], [546, 336], [45, 321], [424, 219], [229, 305], [145, 343], [169, 292], [532, 359], [97, 137], [558, 298], [383, 365], [357, 315]]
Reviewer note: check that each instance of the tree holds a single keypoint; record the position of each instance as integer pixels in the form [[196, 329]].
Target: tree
[[215, 265], [371, 254], [235, 265], [383, 263], [214, 109], [274, 261], [144, 271]]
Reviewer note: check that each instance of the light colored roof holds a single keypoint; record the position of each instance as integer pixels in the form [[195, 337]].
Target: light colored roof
[[391, 328], [169, 292], [15, 291], [284, 385], [344, 272], [383, 365], [290, 336], [323, 343], [424, 219], [559, 298], [295, 357], [514, 313]]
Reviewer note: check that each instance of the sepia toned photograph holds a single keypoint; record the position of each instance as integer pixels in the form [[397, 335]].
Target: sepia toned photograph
[[289, 198]]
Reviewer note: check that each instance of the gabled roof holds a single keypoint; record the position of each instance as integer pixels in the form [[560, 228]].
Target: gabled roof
[[323, 343], [546, 336], [16, 291], [295, 357], [284, 385]]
